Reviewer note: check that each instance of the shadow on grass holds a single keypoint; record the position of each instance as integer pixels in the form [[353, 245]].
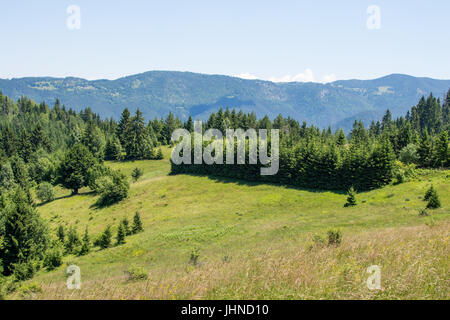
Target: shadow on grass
[[220, 179], [71, 195]]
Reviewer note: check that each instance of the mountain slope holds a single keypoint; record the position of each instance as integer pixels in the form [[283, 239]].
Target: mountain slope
[[184, 93]]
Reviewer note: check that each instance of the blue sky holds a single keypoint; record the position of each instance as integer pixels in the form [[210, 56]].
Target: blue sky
[[280, 40]]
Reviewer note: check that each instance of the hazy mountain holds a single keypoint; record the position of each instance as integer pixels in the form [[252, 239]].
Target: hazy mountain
[[184, 93]]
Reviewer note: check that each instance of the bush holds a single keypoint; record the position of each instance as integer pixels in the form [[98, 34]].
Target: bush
[[114, 190], [54, 256], [159, 155], [136, 174], [429, 193], [104, 241], [334, 237], [72, 242], [136, 273], [24, 271], [45, 192], [195, 254], [85, 244]]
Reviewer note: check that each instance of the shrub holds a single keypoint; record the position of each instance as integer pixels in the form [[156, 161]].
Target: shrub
[[104, 241], [44, 192], [54, 256], [73, 241], [429, 193], [61, 234], [136, 273], [24, 271], [85, 244], [136, 174], [351, 199], [113, 191], [334, 237], [159, 155], [195, 254], [137, 224], [423, 213]]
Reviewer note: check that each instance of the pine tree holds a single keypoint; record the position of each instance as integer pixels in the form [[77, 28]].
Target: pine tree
[[160, 155], [105, 239], [136, 174], [61, 234], [137, 224], [433, 200], [442, 150], [85, 243], [429, 193], [73, 241], [124, 126], [341, 139], [25, 236], [121, 233], [126, 226], [351, 200]]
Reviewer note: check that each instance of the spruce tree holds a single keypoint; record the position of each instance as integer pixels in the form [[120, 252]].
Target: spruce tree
[[85, 243], [137, 224], [351, 199], [61, 234], [433, 201], [121, 233], [442, 150], [105, 239], [126, 226], [24, 235]]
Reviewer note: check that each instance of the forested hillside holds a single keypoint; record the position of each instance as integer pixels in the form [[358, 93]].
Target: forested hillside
[[157, 93]]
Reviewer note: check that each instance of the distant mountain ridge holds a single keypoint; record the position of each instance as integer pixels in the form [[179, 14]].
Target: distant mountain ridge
[[157, 93]]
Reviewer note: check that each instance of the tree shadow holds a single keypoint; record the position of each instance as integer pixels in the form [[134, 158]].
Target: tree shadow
[[253, 183]]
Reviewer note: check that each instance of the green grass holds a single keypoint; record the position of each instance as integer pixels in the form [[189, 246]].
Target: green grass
[[249, 237]]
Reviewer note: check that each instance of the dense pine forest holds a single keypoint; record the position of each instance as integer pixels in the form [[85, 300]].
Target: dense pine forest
[[42, 147]]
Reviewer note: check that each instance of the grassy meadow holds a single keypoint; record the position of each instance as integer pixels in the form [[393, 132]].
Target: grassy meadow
[[254, 241]]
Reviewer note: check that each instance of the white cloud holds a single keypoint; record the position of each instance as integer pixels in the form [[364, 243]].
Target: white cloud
[[306, 76], [246, 76], [329, 78]]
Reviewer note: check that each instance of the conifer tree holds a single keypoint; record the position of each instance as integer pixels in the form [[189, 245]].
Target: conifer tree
[[433, 200], [61, 233], [137, 224], [105, 239], [85, 243], [351, 199], [121, 233]]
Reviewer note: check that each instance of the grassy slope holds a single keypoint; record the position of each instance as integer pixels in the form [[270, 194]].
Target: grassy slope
[[253, 241]]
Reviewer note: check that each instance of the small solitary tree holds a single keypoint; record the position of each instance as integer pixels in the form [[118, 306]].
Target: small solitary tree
[[136, 174], [137, 224], [433, 200], [351, 199], [126, 226]]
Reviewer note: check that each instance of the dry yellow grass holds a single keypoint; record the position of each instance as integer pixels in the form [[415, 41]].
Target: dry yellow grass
[[414, 264]]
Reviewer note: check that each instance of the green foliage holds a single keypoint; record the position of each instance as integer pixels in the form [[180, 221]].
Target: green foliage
[[433, 200], [45, 192], [73, 170], [113, 190], [54, 256], [85, 244], [408, 154], [104, 241], [159, 155], [24, 235], [334, 237], [7, 180], [195, 255], [136, 273], [351, 199], [121, 234], [137, 224], [136, 174], [24, 270], [126, 226], [73, 241], [60, 233]]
